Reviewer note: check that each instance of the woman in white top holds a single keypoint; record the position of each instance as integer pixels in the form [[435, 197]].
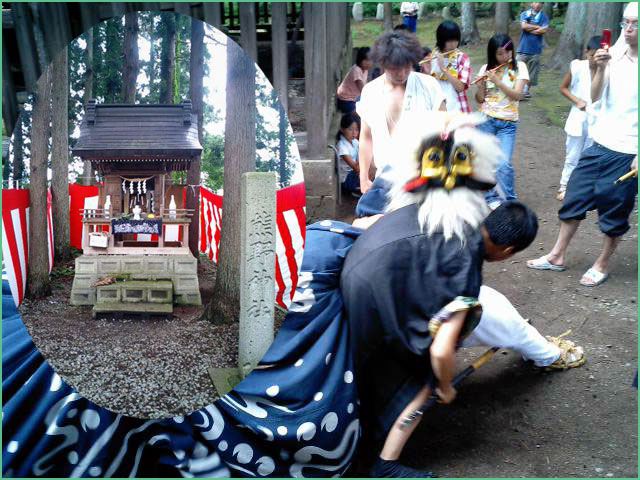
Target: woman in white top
[[501, 84], [576, 86]]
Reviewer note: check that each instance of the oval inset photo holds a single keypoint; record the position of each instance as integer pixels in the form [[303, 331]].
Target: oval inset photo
[[167, 117]]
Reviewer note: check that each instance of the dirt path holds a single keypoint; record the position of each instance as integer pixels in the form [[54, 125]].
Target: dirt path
[[510, 420]]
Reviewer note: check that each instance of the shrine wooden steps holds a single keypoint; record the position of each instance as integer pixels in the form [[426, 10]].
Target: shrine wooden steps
[[139, 297]]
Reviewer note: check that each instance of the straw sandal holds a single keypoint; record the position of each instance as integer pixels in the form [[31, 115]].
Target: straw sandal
[[571, 355]]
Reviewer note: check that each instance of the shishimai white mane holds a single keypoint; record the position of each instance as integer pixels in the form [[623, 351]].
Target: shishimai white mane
[[448, 211]]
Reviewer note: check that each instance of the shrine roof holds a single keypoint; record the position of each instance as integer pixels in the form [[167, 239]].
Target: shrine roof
[[129, 132]]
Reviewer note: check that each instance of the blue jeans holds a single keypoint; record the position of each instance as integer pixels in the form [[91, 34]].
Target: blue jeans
[[345, 106], [411, 22], [351, 182], [505, 131]]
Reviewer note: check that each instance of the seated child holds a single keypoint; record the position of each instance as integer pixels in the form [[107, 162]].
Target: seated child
[[347, 147]]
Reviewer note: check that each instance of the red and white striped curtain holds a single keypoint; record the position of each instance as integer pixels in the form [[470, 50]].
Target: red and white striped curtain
[[15, 239], [290, 222]]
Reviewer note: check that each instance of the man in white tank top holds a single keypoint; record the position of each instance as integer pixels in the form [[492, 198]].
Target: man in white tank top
[[385, 99]]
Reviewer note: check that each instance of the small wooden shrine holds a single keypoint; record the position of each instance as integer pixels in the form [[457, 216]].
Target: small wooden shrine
[[136, 236]]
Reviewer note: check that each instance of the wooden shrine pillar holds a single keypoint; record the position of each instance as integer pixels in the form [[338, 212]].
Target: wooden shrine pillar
[[232, 17], [248, 39], [26, 44], [316, 78], [212, 13]]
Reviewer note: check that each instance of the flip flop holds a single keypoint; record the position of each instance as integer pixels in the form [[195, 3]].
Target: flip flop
[[596, 278], [543, 263]]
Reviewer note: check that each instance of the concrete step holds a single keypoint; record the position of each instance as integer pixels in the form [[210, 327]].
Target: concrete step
[[134, 308], [180, 270], [136, 291]]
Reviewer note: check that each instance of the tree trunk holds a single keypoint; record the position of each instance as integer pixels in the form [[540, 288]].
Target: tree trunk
[[470, 33], [112, 67], [97, 61], [571, 40], [196, 73], [603, 15], [168, 60], [18, 151], [239, 157], [388, 17], [279, 51], [60, 156], [87, 171], [547, 8], [248, 39], [502, 17], [38, 284], [316, 80], [88, 67], [152, 70], [131, 64], [282, 146], [6, 171]]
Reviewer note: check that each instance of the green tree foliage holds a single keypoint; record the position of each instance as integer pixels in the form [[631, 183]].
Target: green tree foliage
[[98, 60], [271, 156], [167, 31], [17, 166], [213, 161], [109, 81], [77, 69], [149, 30]]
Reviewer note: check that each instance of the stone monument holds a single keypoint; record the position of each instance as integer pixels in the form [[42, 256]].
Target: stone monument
[[257, 267]]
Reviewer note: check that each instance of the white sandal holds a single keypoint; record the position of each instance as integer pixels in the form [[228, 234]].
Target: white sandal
[[543, 263], [594, 278]]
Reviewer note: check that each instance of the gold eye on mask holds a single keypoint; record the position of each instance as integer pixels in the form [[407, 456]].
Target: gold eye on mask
[[433, 163], [461, 161], [460, 165]]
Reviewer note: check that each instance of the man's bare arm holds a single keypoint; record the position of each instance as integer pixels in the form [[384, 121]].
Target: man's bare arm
[[601, 58], [365, 156]]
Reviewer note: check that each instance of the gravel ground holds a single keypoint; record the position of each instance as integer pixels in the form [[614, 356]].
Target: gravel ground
[[148, 368]]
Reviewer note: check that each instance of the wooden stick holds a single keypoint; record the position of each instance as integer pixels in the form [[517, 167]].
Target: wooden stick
[[627, 176], [425, 60], [484, 358]]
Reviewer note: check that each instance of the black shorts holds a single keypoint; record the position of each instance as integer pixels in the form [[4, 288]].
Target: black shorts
[[591, 187]]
